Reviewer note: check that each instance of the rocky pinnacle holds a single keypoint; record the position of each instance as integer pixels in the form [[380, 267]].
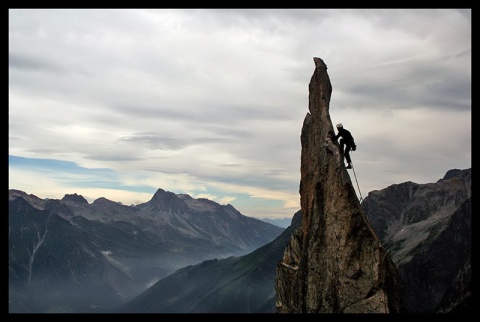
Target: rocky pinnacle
[[334, 263]]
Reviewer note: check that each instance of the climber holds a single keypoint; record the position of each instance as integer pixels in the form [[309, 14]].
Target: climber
[[346, 141]]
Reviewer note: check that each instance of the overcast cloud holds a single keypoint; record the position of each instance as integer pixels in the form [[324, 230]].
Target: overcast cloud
[[118, 103]]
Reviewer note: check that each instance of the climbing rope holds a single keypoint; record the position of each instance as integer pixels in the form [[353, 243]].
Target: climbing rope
[[353, 168]]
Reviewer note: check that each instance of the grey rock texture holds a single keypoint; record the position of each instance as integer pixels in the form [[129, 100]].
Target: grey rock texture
[[334, 263], [427, 231]]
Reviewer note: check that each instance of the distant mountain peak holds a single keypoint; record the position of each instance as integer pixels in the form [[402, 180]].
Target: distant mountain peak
[[166, 201], [75, 198], [456, 173], [184, 196], [161, 191], [103, 200]]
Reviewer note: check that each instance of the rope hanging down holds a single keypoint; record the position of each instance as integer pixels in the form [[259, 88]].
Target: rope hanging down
[[353, 168]]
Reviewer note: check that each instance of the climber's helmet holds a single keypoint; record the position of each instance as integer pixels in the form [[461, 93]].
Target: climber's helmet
[[339, 125]]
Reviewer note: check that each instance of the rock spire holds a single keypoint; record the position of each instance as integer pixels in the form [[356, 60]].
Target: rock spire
[[334, 263]]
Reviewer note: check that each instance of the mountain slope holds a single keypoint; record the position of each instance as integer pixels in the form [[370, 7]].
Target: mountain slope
[[426, 228], [53, 264], [436, 269], [74, 249], [197, 227], [233, 285], [430, 272]]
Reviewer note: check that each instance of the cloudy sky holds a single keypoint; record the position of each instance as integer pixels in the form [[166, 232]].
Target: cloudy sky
[[119, 103]]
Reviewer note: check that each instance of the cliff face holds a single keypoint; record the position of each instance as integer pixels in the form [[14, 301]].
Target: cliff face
[[335, 262], [427, 231]]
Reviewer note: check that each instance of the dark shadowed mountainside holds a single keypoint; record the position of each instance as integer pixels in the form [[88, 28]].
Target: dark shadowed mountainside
[[426, 228], [232, 285], [222, 286], [435, 279], [71, 256]]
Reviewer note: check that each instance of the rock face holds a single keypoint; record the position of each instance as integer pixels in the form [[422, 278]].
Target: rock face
[[427, 231], [334, 263]]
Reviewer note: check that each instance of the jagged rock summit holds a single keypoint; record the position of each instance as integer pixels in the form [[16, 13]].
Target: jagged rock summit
[[334, 263]]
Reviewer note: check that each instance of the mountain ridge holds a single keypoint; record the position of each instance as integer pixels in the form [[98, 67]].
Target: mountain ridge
[[243, 284], [142, 243], [455, 298], [427, 229]]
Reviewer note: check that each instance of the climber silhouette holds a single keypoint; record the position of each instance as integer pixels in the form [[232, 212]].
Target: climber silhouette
[[347, 143]]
